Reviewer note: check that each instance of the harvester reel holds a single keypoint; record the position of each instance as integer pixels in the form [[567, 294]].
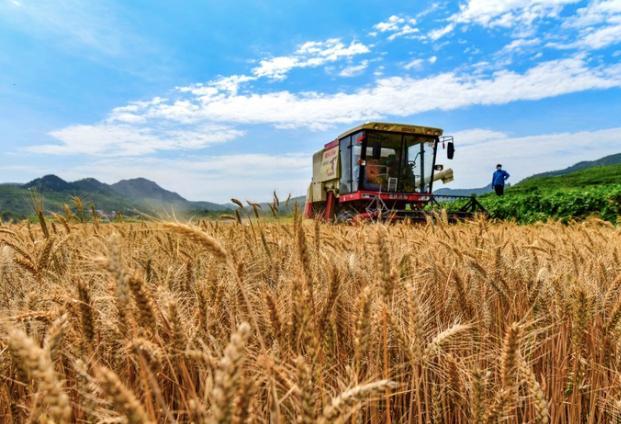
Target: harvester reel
[[376, 208]]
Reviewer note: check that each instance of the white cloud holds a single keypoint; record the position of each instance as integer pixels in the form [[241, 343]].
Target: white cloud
[[507, 13], [436, 34], [108, 139], [199, 116], [520, 44], [598, 25], [595, 13], [430, 9], [433, 59], [477, 136], [392, 24], [130, 114], [230, 83], [277, 67], [390, 96], [353, 70], [519, 14], [415, 64], [405, 30], [602, 37], [479, 150], [309, 55], [396, 26], [591, 39]]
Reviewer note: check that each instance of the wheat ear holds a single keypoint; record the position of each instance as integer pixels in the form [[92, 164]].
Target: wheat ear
[[509, 356], [144, 304], [306, 392], [122, 398], [534, 388], [227, 376], [38, 365], [198, 236], [344, 404], [436, 345]]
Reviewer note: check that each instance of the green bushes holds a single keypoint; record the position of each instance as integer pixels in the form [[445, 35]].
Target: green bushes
[[561, 203]]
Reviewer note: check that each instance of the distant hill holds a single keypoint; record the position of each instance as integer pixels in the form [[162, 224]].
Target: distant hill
[[606, 160], [600, 175], [141, 188], [50, 183], [130, 197]]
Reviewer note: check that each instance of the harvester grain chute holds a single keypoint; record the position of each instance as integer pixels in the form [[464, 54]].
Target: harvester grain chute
[[382, 171]]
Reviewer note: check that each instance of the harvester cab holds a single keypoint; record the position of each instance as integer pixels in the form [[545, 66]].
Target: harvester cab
[[380, 171]]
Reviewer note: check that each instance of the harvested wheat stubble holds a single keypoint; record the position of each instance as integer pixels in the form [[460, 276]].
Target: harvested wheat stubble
[[277, 322]]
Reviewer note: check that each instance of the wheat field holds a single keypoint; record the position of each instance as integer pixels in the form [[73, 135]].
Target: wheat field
[[282, 322]]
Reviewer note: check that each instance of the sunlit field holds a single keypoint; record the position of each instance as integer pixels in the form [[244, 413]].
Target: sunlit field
[[217, 322]]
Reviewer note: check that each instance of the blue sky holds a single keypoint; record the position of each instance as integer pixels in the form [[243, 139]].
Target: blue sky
[[218, 99]]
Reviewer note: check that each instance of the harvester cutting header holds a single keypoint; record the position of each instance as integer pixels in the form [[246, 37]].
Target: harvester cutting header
[[380, 171]]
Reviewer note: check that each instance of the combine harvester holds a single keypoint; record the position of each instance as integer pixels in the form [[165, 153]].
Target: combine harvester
[[382, 171]]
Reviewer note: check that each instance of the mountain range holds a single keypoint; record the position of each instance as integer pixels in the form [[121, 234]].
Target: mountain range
[[130, 197], [605, 161]]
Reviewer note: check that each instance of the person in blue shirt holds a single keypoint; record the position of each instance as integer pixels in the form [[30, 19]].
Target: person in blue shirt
[[498, 180]]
